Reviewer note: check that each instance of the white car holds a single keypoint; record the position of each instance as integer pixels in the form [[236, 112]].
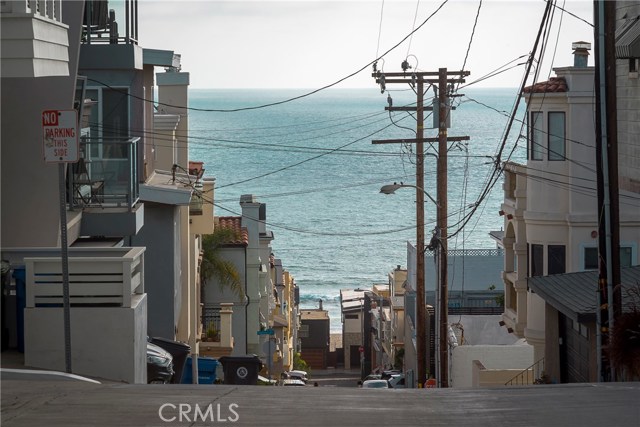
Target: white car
[[298, 375], [293, 383], [375, 384]]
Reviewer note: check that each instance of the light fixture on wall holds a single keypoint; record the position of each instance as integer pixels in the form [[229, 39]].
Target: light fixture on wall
[[509, 216], [510, 330], [501, 323], [501, 212]]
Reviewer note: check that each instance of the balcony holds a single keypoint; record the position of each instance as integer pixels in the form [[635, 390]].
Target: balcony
[[104, 186], [35, 42], [118, 25], [106, 175]]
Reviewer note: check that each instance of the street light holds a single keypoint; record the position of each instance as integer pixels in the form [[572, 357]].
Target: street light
[[421, 312], [391, 189]]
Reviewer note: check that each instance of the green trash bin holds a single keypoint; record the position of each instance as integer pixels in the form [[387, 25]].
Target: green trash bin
[[241, 370]]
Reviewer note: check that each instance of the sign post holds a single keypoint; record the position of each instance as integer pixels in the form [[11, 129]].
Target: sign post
[[60, 145]]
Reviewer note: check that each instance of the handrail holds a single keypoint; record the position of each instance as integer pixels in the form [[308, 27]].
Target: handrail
[[534, 371]]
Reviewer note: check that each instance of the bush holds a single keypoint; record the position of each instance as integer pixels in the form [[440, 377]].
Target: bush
[[299, 364]]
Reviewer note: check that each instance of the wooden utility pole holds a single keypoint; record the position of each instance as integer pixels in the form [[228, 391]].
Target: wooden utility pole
[[443, 114], [609, 293], [417, 80]]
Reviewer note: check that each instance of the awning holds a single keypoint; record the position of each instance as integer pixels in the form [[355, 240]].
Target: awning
[[575, 294], [628, 39]]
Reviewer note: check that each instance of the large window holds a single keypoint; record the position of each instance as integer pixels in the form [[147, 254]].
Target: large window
[[556, 136], [537, 260], [556, 256], [536, 136]]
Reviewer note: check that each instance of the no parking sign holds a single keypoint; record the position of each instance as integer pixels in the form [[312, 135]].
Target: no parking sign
[[60, 136]]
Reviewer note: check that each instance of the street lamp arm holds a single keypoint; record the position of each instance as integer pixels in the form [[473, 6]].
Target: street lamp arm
[[391, 189]]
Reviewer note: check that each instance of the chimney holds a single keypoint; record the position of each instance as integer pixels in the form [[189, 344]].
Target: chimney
[[320, 301], [580, 54]]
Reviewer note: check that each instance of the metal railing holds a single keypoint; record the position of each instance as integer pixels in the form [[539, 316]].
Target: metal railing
[[211, 322], [106, 174], [532, 375], [104, 26]]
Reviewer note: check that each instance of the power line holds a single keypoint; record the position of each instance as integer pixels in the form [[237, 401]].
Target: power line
[[295, 98]]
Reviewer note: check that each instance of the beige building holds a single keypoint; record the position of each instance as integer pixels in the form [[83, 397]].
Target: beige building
[[550, 204]]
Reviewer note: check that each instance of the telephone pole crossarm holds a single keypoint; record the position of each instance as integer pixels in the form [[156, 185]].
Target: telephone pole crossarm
[[413, 140]]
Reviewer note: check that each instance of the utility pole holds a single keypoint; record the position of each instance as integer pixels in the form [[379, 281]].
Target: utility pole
[[609, 293], [442, 171], [417, 81]]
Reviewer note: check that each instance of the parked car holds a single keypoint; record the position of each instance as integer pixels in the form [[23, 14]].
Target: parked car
[[396, 381], [375, 384], [297, 375], [159, 365], [388, 374], [292, 382]]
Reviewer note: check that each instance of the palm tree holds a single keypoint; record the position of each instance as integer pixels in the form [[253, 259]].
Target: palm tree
[[215, 267]]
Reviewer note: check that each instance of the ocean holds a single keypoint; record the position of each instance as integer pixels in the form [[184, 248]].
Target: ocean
[[313, 163]]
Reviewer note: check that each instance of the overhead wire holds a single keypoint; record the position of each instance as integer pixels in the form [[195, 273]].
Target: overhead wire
[[295, 98], [492, 179]]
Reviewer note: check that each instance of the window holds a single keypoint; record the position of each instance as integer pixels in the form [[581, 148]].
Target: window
[[556, 259], [556, 136], [591, 257], [537, 260], [536, 136]]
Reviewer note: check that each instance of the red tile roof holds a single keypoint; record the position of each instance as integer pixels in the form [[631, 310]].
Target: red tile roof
[[555, 84], [234, 222]]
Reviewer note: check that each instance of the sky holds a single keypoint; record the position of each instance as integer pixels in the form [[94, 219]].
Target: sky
[[312, 44]]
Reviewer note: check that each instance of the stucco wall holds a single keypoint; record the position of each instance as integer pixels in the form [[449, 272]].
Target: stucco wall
[[491, 356], [106, 342], [160, 235]]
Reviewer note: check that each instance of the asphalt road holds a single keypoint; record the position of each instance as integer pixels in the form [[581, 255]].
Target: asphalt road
[[56, 402]]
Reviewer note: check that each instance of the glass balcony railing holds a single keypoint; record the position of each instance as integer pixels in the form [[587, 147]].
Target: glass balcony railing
[[106, 174]]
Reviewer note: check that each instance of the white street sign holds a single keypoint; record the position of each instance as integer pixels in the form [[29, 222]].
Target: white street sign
[[60, 136]]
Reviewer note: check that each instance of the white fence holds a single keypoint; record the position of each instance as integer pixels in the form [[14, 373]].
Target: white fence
[[108, 279]]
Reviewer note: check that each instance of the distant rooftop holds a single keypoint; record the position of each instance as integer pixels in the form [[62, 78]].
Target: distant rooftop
[[234, 222], [554, 84], [314, 314]]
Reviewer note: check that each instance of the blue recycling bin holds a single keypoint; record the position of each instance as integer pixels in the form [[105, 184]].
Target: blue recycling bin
[[206, 371], [21, 301]]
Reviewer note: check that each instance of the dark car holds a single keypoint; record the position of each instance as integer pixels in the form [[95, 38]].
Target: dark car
[[159, 365]]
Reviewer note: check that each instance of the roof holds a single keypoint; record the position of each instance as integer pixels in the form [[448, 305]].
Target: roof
[[628, 39], [234, 222], [554, 84], [575, 294], [314, 314], [161, 187]]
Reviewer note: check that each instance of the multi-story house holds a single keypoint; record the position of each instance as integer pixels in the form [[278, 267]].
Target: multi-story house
[[397, 279], [283, 319], [352, 311], [381, 339], [84, 60], [550, 211], [252, 256], [315, 336]]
